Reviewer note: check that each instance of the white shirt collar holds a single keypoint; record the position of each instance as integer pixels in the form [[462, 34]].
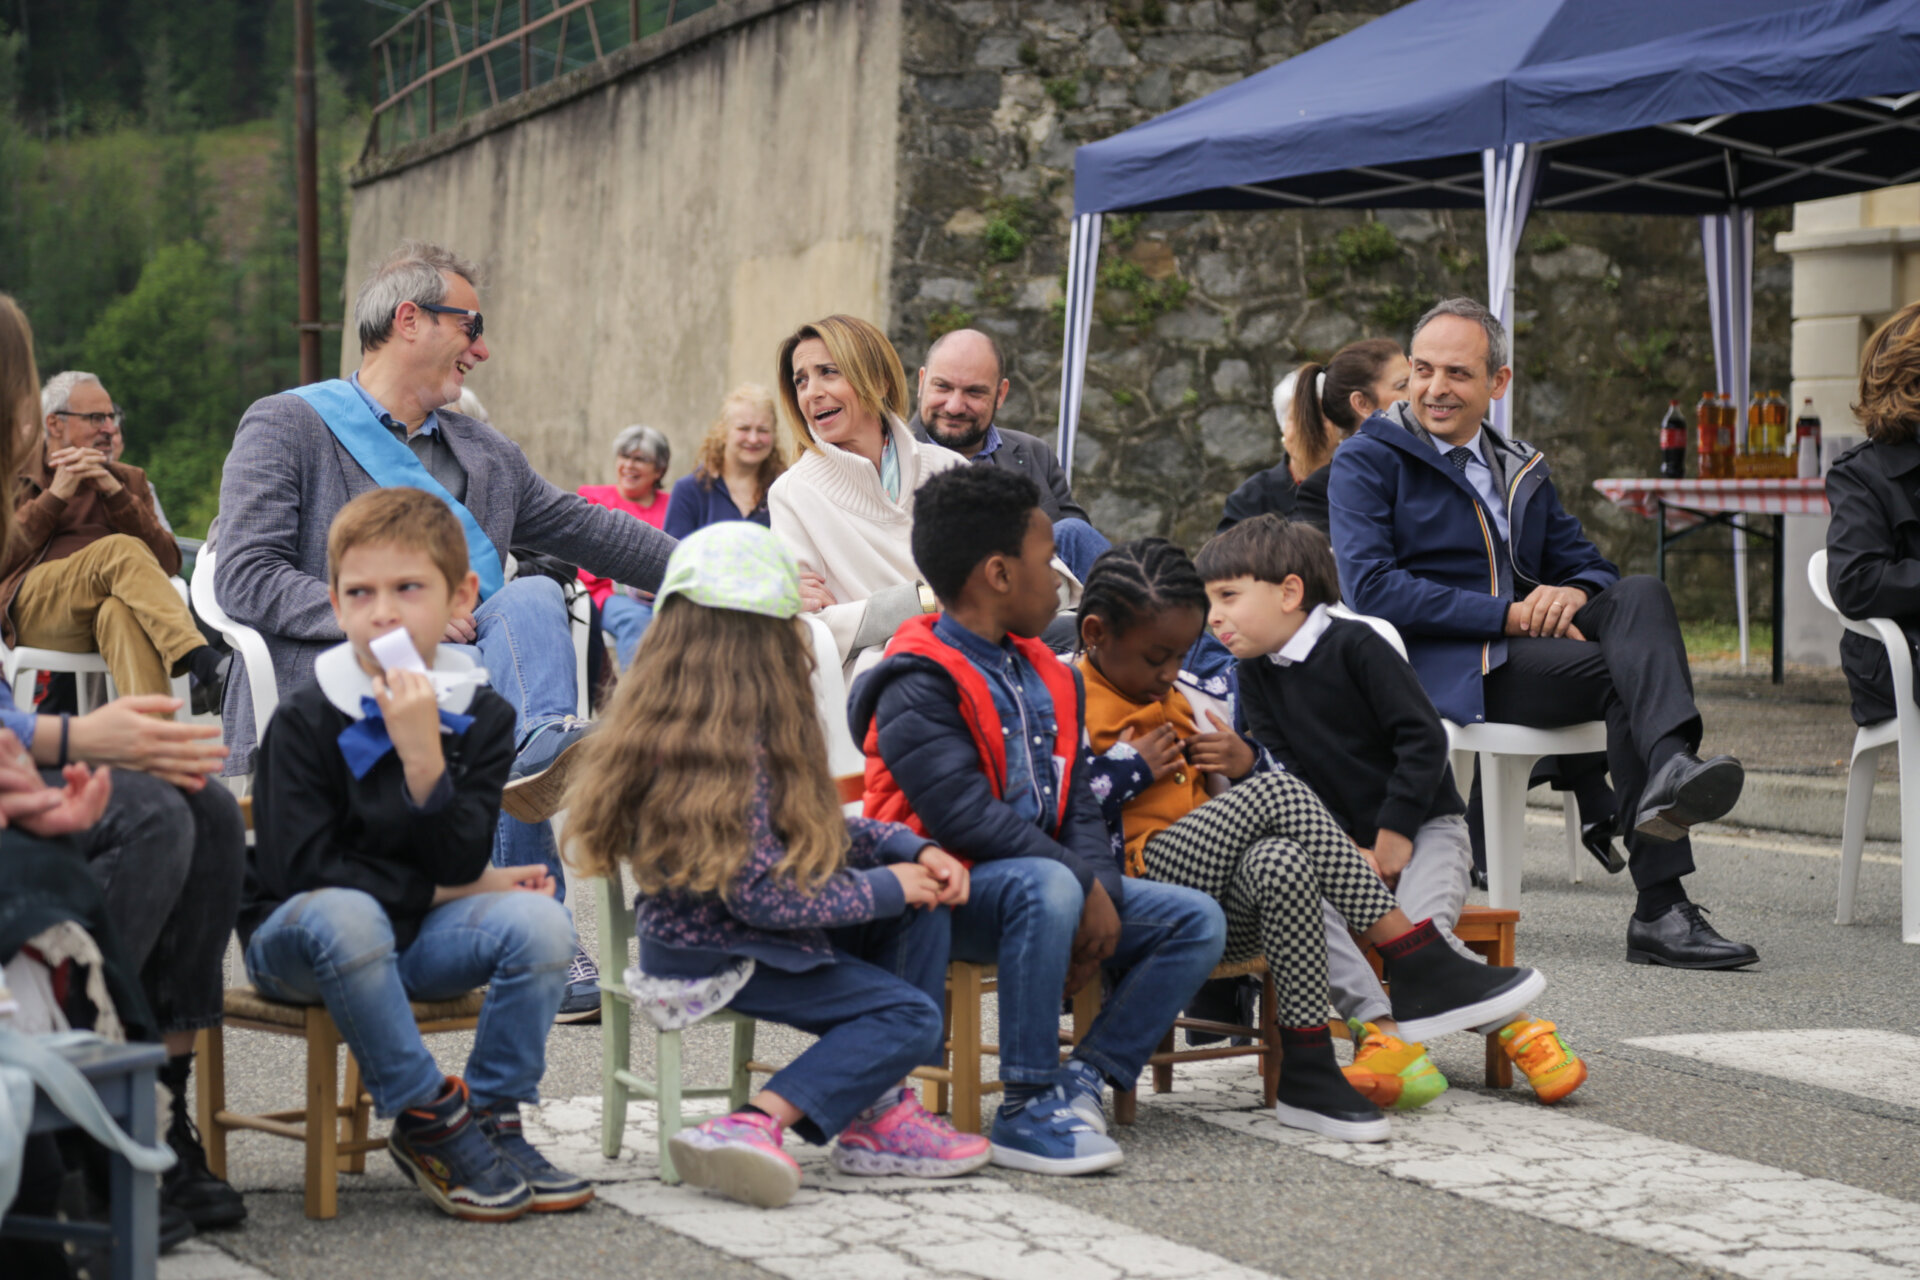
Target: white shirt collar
[[345, 683], [1297, 649]]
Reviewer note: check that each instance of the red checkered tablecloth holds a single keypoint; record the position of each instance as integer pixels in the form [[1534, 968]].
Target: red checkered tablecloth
[[1643, 495]]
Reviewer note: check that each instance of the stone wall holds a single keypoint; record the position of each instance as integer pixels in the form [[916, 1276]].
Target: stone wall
[[1198, 315]]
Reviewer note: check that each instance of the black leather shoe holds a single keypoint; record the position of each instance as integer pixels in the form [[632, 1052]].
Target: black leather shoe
[[1598, 837], [1681, 938], [1687, 790], [1479, 877]]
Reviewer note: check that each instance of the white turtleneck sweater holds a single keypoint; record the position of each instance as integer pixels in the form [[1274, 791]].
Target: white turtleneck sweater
[[833, 513]]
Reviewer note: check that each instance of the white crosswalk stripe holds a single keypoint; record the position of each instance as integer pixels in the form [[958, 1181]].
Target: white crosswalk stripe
[[1882, 1065], [870, 1228], [1697, 1206]]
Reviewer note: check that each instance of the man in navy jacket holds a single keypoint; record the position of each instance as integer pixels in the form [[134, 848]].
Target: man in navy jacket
[[1455, 535]]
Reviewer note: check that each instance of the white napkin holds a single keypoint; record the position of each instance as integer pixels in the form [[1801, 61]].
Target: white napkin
[[395, 652]]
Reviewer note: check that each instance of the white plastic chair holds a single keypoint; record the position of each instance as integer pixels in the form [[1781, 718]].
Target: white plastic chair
[[1901, 733], [29, 661], [844, 756], [246, 642], [1512, 750]]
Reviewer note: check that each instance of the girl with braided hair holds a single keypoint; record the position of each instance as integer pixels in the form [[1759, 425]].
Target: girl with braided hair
[[1207, 809]]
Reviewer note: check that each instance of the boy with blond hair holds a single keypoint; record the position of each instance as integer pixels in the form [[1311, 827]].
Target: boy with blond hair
[[371, 882]]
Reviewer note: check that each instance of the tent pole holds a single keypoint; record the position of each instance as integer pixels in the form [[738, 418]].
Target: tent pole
[[1508, 175], [1083, 260], [1727, 239]]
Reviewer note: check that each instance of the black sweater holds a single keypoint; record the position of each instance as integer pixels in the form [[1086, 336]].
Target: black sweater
[[316, 827], [1353, 723]]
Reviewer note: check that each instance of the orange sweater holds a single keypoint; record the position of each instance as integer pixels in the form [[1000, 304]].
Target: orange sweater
[[1171, 797]]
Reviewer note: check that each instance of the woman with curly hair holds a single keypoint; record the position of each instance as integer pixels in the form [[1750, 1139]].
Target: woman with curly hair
[[738, 462]]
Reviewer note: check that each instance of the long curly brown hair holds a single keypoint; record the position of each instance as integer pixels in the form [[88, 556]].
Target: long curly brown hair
[[713, 696], [710, 463], [1889, 405], [20, 421]]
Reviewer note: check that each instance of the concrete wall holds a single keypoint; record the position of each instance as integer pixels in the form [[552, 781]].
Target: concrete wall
[[1856, 260], [655, 225]]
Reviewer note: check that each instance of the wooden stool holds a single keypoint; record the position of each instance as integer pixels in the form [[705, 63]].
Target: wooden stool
[[963, 1081], [1264, 1042], [333, 1124]]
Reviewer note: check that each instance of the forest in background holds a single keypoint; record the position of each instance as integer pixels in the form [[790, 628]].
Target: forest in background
[[147, 207]]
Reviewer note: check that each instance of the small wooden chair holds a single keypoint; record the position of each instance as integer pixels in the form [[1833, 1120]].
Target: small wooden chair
[[962, 1081], [1263, 1041], [619, 1083], [1487, 931], [333, 1124]]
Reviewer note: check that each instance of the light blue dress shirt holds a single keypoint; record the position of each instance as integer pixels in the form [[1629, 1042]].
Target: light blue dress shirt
[[1480, 476]]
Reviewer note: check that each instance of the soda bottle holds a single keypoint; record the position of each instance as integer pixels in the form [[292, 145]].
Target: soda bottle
[[1777, 432], [1706, 436], [1806, 441], [1673, 444]]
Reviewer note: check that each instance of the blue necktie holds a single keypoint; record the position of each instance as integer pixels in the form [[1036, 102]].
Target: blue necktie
[[365, 742]]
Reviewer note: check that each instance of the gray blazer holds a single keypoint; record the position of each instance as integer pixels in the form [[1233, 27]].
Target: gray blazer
[[287, 476], [1029, 456]]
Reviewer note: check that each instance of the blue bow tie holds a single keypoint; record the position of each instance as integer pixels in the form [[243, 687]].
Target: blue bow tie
[[365, 742]]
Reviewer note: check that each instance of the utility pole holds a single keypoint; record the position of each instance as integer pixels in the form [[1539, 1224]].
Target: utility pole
[[307, 166]]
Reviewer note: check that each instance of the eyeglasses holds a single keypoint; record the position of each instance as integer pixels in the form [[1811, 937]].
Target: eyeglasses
[[474, 330], [95, 421]]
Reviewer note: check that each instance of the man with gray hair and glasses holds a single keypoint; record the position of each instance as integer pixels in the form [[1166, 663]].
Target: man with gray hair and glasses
[[300, 456], [87, 570], [1453, 533]]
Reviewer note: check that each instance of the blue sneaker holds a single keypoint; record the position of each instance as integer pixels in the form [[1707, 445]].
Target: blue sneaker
[[1085, 1088], [445, 1152], [1048, 1136], [537, 784], [581, 1003], [554, 1190]]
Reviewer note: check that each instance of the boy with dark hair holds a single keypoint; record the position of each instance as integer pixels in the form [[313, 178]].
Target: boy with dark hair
[[973, 737], [371, 883], [1341, 710]]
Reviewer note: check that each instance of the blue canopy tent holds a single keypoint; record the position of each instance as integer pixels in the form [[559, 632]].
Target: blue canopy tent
[[1701, 107]]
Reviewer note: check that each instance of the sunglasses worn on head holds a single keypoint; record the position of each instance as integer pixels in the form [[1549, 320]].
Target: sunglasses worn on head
[[474, 329]]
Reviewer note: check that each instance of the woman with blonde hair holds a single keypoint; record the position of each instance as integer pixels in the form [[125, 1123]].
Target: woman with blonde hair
[[845, 507], [1873, 541], [738, 462]]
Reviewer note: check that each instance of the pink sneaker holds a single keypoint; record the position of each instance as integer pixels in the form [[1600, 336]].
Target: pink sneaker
[[738, 1155], [905, 1138]]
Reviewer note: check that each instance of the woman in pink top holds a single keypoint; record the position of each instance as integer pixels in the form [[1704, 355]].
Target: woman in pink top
[[642, 454]]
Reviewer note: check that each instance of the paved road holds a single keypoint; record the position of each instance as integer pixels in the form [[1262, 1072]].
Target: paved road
[[1759, 1124]]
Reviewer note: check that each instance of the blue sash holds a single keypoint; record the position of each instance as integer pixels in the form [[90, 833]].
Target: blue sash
[[392, 464]]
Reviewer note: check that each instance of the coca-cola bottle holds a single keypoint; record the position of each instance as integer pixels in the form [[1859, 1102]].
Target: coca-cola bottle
[[1806, 441], [1673, 443]]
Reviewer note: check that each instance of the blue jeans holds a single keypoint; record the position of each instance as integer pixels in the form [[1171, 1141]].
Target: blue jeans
[[627, 618], [335, 947], [876, 1009], [525, 642], [1078, 544], [1022, 913]]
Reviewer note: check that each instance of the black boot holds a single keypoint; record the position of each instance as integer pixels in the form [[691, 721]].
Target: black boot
[[1436, 990], [190, 1186], [1315, 1096]]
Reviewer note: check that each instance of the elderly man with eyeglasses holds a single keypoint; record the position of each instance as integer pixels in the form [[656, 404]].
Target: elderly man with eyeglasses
[[87, 570]]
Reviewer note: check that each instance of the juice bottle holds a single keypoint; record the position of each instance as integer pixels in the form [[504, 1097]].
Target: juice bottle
[[1706, 436]]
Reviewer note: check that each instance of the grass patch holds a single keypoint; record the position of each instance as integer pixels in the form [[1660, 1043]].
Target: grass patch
[[1720, 641]]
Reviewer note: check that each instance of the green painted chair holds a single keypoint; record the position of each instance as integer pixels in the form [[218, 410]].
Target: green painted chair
[[619, 1083]]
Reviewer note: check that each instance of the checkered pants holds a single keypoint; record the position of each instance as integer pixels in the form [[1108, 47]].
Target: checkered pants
[[1269, 851]]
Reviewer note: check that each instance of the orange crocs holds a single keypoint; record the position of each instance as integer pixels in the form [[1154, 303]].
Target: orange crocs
[[1536, 1048]]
